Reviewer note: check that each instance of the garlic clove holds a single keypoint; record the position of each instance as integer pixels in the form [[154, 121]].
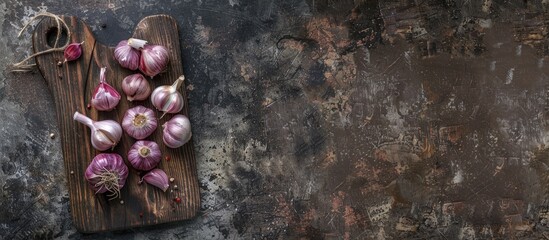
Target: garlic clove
[[168, 102], [110, 130], [73, 51], [136, 87], [177, 131], [104, 97], [158, 178], [154, 59], [167, 98], [127, 56], [101, 141]]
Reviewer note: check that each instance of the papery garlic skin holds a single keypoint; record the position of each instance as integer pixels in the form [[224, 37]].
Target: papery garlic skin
[[105, 97], [107, 173], [158, 178], [176, 131], [73, 51], [127, 56], [139, 122], [167, 99], [136, 87], [137, 43], [105, 134], [144, 155], [154, 59]]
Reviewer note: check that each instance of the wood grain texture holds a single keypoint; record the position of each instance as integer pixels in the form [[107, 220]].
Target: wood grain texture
[[72, 85]]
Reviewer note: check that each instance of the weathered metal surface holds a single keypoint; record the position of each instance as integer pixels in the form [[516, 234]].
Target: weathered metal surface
[[322, 119]]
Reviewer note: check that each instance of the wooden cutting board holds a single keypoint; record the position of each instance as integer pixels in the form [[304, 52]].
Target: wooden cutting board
[[72, 84]]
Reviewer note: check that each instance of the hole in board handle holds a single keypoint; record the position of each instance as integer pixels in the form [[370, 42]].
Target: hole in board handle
[[52, 34]]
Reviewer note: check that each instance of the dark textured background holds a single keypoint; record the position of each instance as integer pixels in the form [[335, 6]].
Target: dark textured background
[[319, 119]]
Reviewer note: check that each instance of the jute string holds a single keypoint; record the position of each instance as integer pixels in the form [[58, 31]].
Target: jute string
[[23, 65]]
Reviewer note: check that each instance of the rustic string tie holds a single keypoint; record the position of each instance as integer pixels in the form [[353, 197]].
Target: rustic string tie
[[24, 65]]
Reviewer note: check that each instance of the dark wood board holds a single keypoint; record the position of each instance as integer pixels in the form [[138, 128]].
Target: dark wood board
[[71, 85]]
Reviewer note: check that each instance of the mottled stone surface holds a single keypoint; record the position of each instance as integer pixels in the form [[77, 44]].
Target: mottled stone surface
[[319, 119]]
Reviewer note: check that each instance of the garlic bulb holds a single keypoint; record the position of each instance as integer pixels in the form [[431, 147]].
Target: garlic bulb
[[144, 155], [127, 56], [158, 178], [107, 173], [154, 59], [136, 87], [73, 51], [167, 99], [104, 134], [105, 97], [177, 131], [139, 122]]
